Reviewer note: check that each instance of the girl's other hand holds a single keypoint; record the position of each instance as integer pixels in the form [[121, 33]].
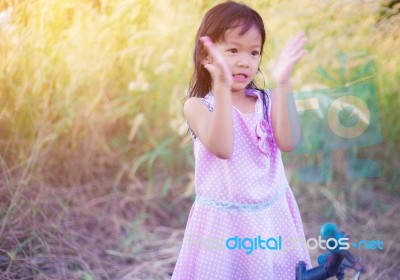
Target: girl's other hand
[[292, 53], [216, 65]]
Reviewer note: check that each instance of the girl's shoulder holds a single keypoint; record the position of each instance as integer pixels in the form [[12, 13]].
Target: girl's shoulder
[[197, 110], [195, 104]]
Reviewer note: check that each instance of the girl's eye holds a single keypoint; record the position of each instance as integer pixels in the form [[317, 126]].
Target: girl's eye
[[255, 53], [232, 50]]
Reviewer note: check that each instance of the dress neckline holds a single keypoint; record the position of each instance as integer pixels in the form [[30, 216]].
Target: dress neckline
[[247, 114], [240, 112]]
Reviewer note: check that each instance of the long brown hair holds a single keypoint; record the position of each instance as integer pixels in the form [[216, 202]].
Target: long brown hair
[[215, 23]]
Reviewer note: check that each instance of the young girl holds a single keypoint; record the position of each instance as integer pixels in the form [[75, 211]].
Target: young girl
[[245, 223]]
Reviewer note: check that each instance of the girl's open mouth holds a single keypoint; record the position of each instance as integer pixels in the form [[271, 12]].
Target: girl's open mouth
[[240, 76]]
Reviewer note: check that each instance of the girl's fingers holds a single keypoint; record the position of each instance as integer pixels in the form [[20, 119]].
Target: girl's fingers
[[300, 43], [210, 68], [299, 39], [293, 52], [299, 55], [217, 67], [297, 47], [211, 49]]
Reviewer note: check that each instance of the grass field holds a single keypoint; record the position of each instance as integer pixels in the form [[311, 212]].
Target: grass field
[[96, 176]]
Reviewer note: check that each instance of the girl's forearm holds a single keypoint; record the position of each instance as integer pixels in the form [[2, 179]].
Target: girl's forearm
[[220, 131], [285, 120]]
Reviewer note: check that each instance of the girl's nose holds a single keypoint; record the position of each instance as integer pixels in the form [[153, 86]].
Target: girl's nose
[[243, 62]]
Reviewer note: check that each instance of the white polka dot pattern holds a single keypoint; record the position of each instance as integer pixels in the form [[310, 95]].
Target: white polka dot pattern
[[247, 177]]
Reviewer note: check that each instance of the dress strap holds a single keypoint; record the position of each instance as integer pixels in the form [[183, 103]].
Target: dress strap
[[192, 134], [209, 105], [208, 100]]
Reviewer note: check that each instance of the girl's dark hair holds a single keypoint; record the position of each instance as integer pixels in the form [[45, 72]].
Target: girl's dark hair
[[215, 23]]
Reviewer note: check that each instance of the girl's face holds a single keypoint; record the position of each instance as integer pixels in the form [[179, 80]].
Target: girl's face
[[242, 53]]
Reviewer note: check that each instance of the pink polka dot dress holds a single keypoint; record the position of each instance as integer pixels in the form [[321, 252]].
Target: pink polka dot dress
[[245, 222]]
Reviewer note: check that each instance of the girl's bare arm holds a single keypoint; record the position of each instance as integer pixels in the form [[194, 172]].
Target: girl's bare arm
[[214, 129], [285, 121]]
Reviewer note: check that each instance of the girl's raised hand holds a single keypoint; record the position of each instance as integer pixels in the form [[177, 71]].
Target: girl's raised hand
[[216, 65], [292, 53]]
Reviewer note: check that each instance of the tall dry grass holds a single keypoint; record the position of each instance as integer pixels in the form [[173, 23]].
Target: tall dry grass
[[86, 105], [96, 165]]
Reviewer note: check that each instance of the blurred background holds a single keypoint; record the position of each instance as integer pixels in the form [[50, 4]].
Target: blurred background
[[96, 164]]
